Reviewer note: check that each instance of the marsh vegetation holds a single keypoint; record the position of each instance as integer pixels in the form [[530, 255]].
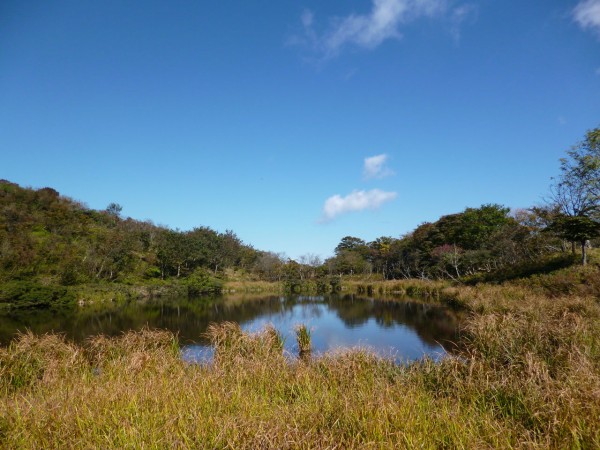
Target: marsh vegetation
[[527, 377]]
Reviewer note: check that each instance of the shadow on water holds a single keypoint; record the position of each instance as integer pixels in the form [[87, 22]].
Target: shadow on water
[[405, 328]]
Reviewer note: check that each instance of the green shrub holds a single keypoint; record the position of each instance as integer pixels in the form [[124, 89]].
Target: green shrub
[[28, 294], [200, 282], [152, 272]]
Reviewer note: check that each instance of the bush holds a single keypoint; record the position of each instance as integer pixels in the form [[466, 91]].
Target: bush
[[69, 276], [200, 282], [28, 294], [152, 272]]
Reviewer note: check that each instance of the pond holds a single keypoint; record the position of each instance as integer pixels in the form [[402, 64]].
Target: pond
[[403, 329]]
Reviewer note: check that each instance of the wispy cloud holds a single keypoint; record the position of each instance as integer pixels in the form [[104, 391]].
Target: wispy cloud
[[383, 22], [355, 201], [587, 14], [459, 16], [375, 167], [307, 18]]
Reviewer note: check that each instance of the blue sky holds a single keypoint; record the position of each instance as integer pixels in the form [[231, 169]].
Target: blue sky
[[296, 123]]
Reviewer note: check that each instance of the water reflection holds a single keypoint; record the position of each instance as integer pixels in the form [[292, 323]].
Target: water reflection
[[406, 328]]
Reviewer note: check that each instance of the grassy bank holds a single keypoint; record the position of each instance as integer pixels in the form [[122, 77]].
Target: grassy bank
[[379, 287], [579, 281], [528, 377], [41, 293], [252, 286]]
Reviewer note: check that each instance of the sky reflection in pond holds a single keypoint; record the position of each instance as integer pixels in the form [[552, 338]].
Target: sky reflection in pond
[[405, 329]]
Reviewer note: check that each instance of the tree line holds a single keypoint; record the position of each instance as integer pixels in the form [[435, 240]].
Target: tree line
[[492, 241], [56, 240], [49, 236]]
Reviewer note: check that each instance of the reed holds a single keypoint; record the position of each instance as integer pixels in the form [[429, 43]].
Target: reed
[[303, 337], [528, 376]]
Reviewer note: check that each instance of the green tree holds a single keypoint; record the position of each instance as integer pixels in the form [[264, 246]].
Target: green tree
[[350, 243], [173, 252], [380, 255], [576, 229], [114, 209], [477, 225], [576, 192]]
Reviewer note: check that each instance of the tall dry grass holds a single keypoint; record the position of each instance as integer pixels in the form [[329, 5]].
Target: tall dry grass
[[528, 377]]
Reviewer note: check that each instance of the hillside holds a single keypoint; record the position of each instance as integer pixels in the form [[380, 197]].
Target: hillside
[[48, 240]]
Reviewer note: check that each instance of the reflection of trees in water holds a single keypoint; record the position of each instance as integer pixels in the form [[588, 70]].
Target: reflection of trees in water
[[351, 310], [38, 321], [434, 324], [190, 317]]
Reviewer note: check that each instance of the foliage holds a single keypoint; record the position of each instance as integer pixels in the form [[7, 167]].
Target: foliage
[[114, 209], [576, 193], [489, 242], [352, 244], [201, 282], [482, 240], [45, 236], [577, 190], [28, 294], [51, 240], [575, 228]]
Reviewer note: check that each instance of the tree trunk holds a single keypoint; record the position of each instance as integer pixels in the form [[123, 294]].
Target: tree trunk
[[583, 253], [100, 271]]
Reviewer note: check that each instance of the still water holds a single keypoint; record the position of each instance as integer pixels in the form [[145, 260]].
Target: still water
[[403, 329]]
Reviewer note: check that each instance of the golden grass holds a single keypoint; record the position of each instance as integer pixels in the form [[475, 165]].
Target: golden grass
[[252, 286], [378, 287], [528, 377]]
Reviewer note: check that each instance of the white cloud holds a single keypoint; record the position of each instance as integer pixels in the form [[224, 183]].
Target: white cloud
[[375, 167], [383, 22], [368, 30], [460, 15], [587, 14], [355, 201]]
